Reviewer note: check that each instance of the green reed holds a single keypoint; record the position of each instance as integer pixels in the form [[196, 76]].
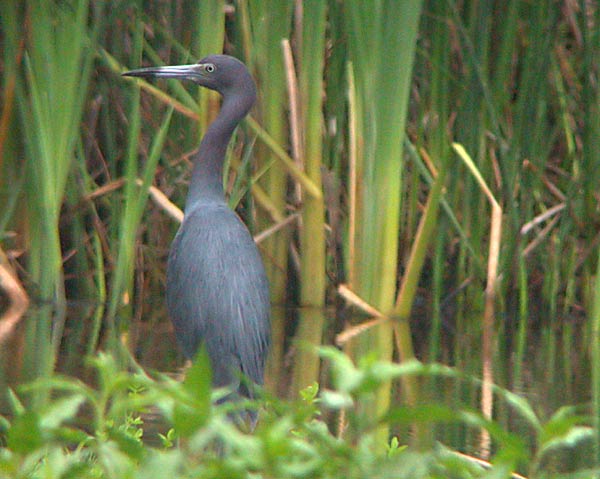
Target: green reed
[[51, 93], [263, 26], [311, 63], [513, 82], [382, 40]]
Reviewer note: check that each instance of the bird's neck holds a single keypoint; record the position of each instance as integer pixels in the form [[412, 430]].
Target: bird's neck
[[206, 185]]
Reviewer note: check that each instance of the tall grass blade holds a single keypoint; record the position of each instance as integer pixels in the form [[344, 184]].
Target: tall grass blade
[[136, 197], [264, 25], [312, 234], [595, 359], [58, 64], [382, 39]]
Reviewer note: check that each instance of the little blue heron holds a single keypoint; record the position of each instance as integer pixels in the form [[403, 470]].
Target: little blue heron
[[217, 290]]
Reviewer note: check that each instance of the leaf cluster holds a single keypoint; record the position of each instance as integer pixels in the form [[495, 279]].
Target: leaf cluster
[[109, 431]]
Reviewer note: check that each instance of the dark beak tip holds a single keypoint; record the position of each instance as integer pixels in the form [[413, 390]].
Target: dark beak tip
[[135, 74]]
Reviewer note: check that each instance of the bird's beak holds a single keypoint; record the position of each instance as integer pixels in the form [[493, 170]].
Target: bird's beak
[[181, 72]]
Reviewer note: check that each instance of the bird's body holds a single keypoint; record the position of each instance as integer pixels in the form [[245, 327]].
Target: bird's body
[[217, 293], [217, 290]]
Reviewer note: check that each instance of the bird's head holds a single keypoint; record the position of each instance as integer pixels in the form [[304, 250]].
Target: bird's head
[[221, 73]]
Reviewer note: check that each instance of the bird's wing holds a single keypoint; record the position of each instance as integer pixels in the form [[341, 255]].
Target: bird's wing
[[217, 292]]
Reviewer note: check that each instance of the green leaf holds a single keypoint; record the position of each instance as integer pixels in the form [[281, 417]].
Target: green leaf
[[346, 376], [25, 434], [161, 465], [561, 423], [428, 413], [571, 439], [336, 400], [15, 404], [198, 377], [127, 443], [310, 393], [191, 415], [61, 410]]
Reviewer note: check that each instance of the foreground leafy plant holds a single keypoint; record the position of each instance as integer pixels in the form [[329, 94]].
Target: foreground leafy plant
[[291, 441]]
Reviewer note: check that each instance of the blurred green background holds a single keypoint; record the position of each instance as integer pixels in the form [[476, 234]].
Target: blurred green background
[[386, 136]]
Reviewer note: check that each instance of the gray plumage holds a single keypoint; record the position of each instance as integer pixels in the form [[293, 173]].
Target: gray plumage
[[217, 290]]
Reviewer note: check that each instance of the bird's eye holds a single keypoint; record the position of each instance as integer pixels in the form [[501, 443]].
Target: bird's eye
[[210, 68]]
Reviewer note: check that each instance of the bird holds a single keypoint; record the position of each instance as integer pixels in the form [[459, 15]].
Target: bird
[[217, 290]]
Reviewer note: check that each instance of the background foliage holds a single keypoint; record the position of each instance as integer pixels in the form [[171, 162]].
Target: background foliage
[[383, 133]]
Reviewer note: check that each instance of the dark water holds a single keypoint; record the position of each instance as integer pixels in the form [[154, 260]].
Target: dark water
[[555, 370]]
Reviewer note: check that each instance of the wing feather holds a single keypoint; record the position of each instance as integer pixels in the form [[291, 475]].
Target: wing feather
[[217, 292]]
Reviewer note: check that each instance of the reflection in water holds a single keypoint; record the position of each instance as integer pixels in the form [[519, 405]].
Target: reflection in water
[[553, 374]]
